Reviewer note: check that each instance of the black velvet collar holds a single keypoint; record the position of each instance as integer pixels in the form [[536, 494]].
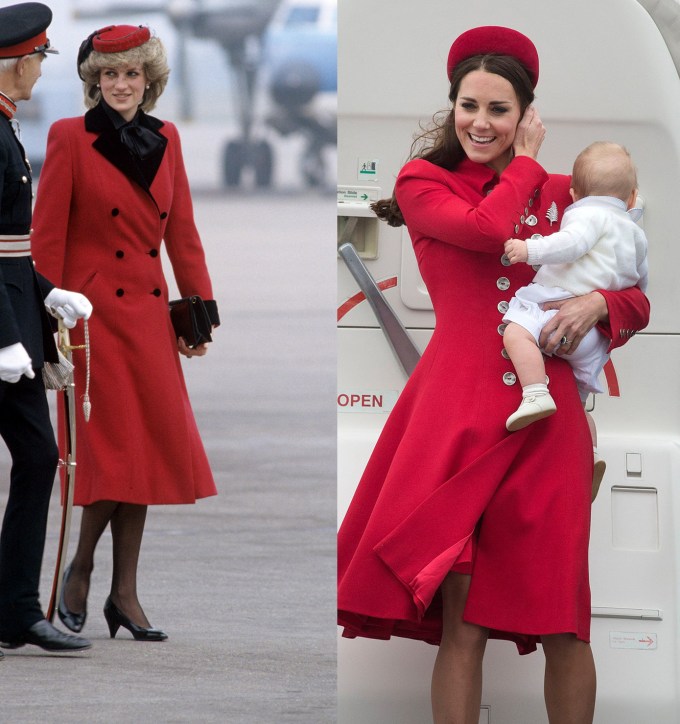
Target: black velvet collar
[[109, 144]]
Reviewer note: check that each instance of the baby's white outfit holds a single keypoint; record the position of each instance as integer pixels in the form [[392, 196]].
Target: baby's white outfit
[[598, 246]]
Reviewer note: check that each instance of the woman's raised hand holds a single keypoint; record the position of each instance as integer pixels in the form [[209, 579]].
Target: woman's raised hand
[[529, 134]]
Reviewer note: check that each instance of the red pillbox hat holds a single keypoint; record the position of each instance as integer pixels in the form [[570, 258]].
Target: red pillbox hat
[[118, 38], [497, 40]]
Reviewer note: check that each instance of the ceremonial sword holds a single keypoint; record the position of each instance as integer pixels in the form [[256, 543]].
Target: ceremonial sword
[[68, 387]]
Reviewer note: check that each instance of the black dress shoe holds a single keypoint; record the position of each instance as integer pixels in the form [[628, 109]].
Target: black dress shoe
[[72, 620], [45, 635], [115, 618]]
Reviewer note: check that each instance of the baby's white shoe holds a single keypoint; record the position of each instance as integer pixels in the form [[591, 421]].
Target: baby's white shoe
[[533, 407]]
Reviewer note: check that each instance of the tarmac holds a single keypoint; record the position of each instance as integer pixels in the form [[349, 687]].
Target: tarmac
[[243, 583]]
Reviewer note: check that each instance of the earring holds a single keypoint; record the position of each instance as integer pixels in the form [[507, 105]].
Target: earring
[[98, 86], [148, 87]]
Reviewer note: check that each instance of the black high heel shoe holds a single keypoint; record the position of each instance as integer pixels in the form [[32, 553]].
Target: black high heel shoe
[[72, 620], [115, 618]]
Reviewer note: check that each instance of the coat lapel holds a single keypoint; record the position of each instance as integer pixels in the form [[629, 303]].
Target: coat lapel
[[108, 143]]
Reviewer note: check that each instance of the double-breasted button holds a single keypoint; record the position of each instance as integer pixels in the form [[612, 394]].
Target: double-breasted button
[[503, 283], [156, 292], [501, 329], [115, 212], [504, 353], [532, 220], [531, 203], [120, 254], [24, 179], [516, 228], [504, 260], [153, 252], [503, 307], [164, 215], [509, 378], [120, 292]]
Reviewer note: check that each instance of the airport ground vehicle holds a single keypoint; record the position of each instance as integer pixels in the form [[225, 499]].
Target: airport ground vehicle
[[607, 71]]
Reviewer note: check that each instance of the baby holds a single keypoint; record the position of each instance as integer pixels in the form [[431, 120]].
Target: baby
[[598, 246]]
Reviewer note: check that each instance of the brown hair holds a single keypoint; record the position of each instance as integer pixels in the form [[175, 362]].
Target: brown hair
[[439, 144], [604, 169]]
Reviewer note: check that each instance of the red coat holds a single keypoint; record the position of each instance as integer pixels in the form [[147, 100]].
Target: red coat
[[99, 232], [447, 487]]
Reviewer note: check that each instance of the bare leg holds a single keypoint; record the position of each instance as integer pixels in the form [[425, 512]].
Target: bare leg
[[127, 528], [526, 357], [592, 428], [569, 680], [457, 676], [94, 520]]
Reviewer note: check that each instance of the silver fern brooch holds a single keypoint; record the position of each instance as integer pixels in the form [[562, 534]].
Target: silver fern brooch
[[551, 214]]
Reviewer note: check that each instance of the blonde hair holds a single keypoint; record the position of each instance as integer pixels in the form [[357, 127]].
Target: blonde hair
[[150, 55], [604, 169]]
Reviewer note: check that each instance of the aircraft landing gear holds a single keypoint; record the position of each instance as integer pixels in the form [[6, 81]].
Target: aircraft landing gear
[[243, 155]]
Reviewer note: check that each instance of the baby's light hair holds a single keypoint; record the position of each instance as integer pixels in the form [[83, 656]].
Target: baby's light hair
[[604, 169]]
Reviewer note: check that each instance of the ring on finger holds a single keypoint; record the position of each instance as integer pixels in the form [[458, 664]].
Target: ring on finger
[[564, 340]]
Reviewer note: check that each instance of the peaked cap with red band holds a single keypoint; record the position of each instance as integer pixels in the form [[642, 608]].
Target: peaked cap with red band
[[496, 40], [113, 39], [23, 30]]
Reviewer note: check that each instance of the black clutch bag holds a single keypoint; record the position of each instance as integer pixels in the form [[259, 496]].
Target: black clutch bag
[[190, 320]]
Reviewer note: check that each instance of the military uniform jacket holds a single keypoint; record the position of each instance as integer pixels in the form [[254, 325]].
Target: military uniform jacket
[[98, 229], [23, 317]]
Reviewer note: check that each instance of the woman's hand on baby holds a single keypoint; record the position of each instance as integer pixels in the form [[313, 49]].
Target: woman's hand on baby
[[575, 318], [516, 250]]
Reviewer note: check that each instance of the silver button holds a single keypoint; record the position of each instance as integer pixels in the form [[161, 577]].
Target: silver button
[[24, 180], [509, 378], [535, 267], [532, 220], [516, 228], [522, 219], [503, 283], [504, 260], [501, 329], [537, 236], [503, 307], [504, 353], [531, 203]]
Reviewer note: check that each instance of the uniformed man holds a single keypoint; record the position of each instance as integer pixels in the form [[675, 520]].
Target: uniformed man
[[26, 343]]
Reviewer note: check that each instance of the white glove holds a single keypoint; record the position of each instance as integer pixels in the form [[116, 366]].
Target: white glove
[[70, 306], [14, 362]]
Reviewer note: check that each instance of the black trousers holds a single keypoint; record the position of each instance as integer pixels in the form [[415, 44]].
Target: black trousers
[[26, 428]]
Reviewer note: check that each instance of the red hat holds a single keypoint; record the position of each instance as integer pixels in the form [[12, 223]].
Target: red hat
[[497, 40], [118, 38], [112, 39]]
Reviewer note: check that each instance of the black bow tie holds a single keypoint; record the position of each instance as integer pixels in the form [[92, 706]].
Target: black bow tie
[[142, 142]]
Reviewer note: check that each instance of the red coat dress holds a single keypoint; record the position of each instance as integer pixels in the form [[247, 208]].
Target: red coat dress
[[99, 232], [447, 486]]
